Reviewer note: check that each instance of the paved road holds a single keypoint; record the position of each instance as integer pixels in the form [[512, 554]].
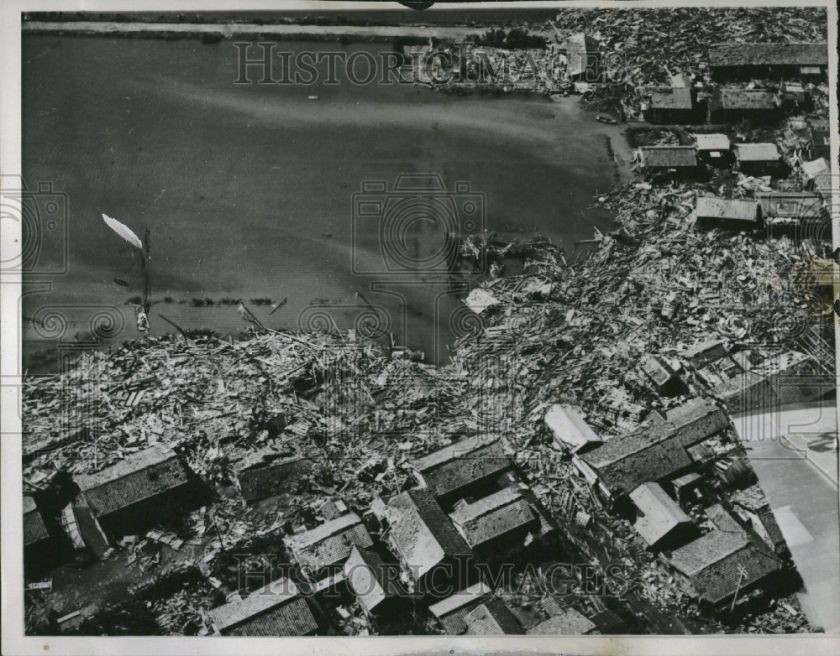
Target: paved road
[[794, 454]]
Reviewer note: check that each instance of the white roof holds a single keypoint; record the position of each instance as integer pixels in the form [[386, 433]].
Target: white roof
[[815, 168], [716, 141], [569, 427], [660, 514], [758, 152]]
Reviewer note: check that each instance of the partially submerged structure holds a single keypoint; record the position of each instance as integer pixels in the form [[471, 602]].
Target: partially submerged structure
[[274, 610]]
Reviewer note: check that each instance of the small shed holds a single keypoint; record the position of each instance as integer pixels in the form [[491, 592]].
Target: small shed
[[276, 610], [321, 551], [727, 213], [758, 158], [660, 520], [570, 429]]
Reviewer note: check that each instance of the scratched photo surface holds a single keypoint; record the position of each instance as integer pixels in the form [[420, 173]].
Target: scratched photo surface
[[446, 322]]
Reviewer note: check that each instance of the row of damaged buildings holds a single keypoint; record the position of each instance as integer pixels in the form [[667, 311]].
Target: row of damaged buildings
[[662, 479]]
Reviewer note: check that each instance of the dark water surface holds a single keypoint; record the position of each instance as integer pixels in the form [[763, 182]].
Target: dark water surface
[[248, 190]]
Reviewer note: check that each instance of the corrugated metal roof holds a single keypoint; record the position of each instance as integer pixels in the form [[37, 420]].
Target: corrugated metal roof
[[768, 54], [462, 464], [491, 617], [328, 544], [421, 533], [660, 514], [709, 207], [140, 476], [757, 152], [493, 516]]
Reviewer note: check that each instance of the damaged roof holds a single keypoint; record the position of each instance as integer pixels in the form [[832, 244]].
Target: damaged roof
[[659, 514], [491, 617], [720, 562], [140, 476], [653, 452], [493, 516], [457, 466], [274, 610], [421, 533], [739, 98], [570, 428], [260, 475], [371, 579], [450, 612], [768, 54], [671, 98], [329, 543]]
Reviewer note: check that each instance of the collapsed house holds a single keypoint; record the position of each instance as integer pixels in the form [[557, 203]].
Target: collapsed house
[[491, 617], [375, 583], [274, 610], [741, 61], [264, 474], [651, 453], [320, 552], [469, 468], [660, 373], [133, 493], [429, 547], [735, 104], [733, 214], [792, 209], [571, 430], [450, 612]]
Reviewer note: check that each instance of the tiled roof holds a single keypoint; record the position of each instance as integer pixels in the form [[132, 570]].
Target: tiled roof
[[659, 513], [493, 516], [738, 98], [655, 451], [462, 464], [275, 610], [674, 98], [371, 579], [720, 562], [757, 152], [421, 533], [709, 207], [140, 476], [34, 529], [769, 54], [568, 622], [491, 617], [668, 156], [328, 544], [460, 600]]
